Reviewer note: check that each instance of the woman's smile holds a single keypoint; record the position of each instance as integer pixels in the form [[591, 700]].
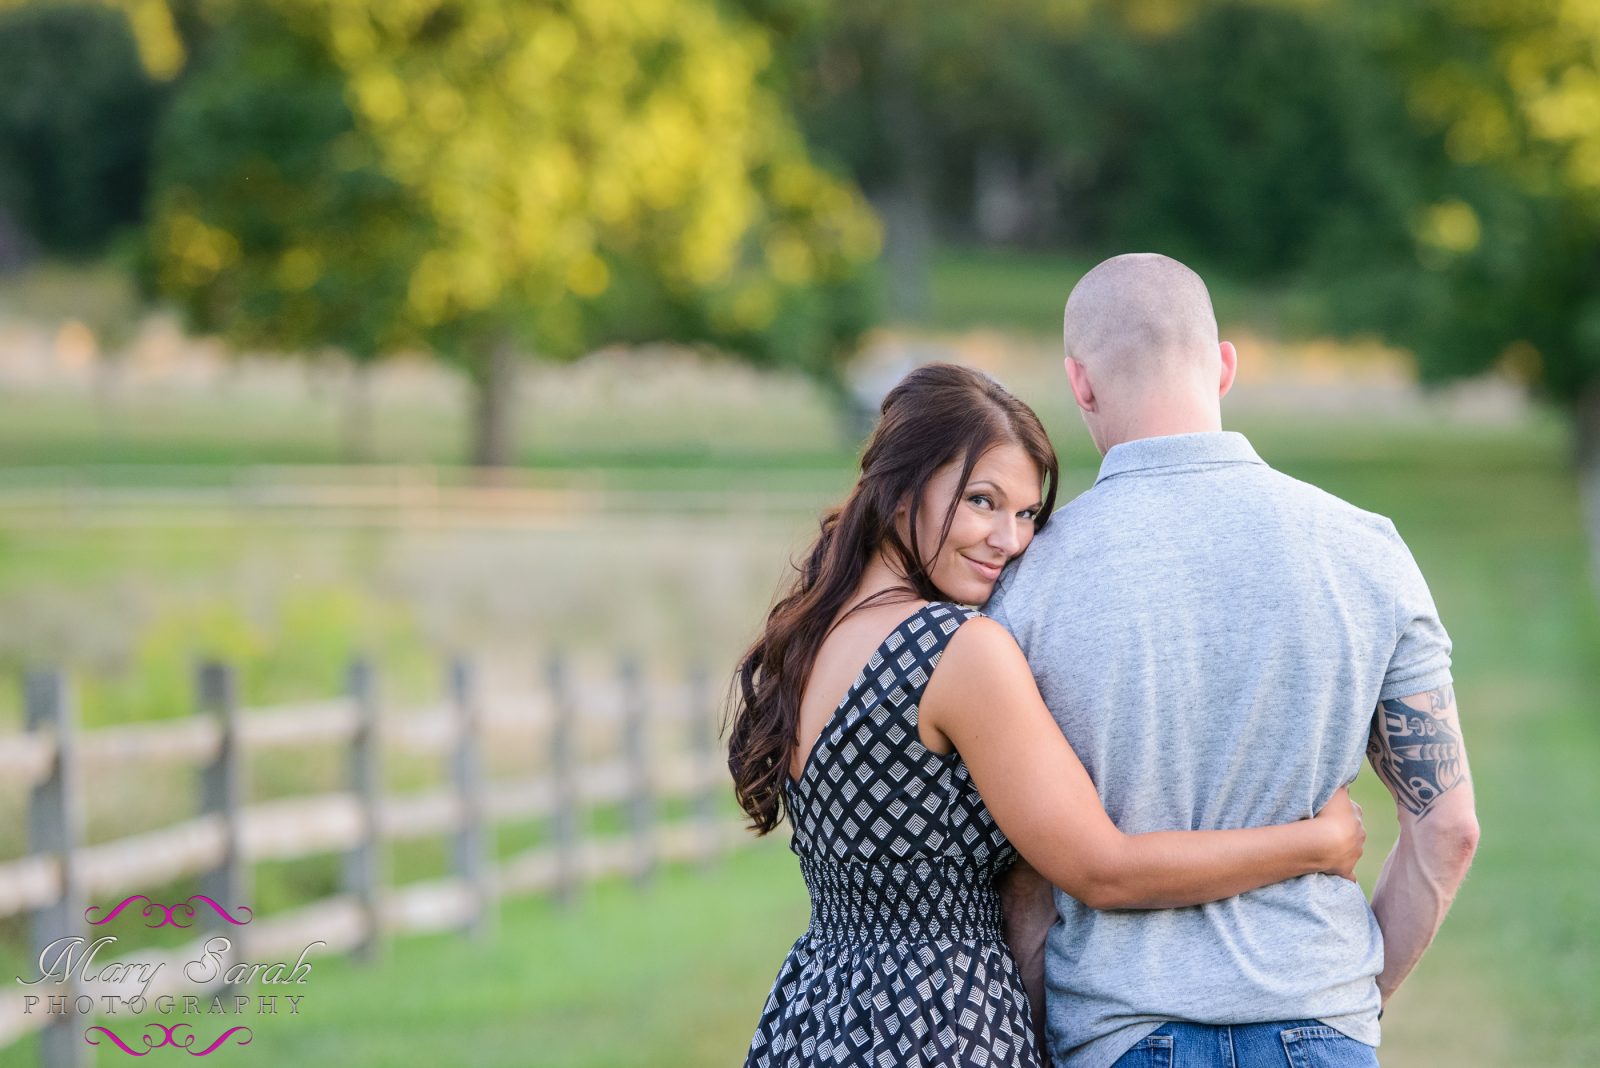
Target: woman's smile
[[989, 572]]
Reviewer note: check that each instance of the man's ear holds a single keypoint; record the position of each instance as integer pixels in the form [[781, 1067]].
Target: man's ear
[[1082, 388], [1230, 367]]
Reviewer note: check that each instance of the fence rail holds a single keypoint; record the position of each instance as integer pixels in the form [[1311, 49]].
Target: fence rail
[[421, 494], [667, 751]]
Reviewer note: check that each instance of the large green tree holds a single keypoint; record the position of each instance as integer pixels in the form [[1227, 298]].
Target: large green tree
[[885, 87], [77, 109], [490, 178], [1508, 251], [1256, 137]]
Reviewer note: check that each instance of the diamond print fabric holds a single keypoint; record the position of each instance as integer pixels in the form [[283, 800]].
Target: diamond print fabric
[[902, 965]]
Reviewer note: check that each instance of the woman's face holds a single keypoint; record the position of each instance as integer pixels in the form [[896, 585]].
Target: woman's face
[[993, 521]]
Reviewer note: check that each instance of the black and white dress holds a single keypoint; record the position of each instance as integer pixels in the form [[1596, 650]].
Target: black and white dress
[[903, 962]]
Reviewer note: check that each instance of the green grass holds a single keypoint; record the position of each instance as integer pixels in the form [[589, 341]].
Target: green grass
[[1495, 528], [269, 416], [644, 415], [674, 975], [1025, 291], [668, 976]]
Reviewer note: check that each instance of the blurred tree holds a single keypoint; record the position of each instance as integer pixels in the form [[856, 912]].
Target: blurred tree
[[1257, 137], [159, 27], [77, 110], [274, 221], [1258, 140], [883, 87], [492, 178], [1508, 251]]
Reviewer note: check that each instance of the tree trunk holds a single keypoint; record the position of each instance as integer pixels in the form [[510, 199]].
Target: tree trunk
[[357, 437], [1000, 198], [494, 380], [1586, 426], [907, 205]]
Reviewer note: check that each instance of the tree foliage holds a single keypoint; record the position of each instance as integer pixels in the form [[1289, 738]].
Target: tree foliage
[[526, 168], [1259, 138], [1509, 246], [474, 177], [274, 221], [76, 113]]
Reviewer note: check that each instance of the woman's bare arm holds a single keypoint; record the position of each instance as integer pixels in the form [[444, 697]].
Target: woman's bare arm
[[984, 701]]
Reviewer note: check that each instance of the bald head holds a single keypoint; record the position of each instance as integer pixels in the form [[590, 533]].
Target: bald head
[[1141, 317], [1143, 355]]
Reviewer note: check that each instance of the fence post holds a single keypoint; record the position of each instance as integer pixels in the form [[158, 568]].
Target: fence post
[[641, 809], [703, 746], [222, 794], [564, 770], [363, 865], [471, 847], [54, 820]]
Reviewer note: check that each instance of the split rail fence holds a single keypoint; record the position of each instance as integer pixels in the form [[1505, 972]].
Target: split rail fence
[[629, 743]]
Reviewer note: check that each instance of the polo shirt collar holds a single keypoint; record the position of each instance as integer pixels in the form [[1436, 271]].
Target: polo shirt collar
[[1177, 450]]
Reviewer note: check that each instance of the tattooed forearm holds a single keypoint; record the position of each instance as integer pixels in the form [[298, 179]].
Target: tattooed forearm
[[1417, 751]]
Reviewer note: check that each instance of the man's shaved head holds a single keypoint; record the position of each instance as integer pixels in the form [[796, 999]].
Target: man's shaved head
[[1140, 317], [1143, 355]]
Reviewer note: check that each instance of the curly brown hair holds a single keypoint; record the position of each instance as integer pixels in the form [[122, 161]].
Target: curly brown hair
[[940, 413]]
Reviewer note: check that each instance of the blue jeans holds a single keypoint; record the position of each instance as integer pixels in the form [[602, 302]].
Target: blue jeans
[[1289, 1044]]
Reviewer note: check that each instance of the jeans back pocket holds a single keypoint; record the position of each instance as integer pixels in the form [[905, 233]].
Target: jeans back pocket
[[1151, 1051], [1326, 1047]]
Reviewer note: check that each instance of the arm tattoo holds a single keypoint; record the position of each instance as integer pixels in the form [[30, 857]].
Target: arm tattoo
[[1417, 752]]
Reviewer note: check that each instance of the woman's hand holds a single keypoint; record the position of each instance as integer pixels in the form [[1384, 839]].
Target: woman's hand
[[1340, 820]]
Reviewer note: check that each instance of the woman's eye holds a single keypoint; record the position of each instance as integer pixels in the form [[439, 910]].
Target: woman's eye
[[1028, 513], [980, 499]]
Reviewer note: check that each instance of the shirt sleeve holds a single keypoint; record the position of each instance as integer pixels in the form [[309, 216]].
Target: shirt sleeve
[[1421, 658]]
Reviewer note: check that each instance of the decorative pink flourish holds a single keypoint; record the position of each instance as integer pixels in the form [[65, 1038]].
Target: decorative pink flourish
[[120, 906], [123, 1046], [245, 1041], [222, 911], [166, 912], [186, 1042]]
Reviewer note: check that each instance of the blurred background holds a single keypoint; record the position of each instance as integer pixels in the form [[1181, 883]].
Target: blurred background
[[484, 363]]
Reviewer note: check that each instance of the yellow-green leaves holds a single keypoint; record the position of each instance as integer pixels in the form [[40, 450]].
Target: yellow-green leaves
[[542, 154], [544, 136]]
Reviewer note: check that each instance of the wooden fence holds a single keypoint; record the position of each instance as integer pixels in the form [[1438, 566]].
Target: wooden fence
[[414, 495], [627, 741]]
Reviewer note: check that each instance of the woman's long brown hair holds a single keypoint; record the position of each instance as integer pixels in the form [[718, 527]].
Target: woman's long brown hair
[[938, 414]]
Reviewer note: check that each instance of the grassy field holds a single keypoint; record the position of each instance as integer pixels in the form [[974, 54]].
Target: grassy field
[[674, 975], [979, 287]]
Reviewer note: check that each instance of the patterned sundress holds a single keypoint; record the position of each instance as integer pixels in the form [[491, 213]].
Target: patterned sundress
[[902, 965]]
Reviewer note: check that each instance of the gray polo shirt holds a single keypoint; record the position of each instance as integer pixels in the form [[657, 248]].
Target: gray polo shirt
[[1213, 638]]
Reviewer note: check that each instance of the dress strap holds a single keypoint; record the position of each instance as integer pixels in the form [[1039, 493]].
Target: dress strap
[[886, 693], [905, 662]]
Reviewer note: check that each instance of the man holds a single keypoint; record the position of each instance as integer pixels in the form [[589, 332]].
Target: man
[[1221, 644]]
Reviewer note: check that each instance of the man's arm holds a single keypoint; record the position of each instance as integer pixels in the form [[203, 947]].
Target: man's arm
[[1028, 907], [1417, 750]]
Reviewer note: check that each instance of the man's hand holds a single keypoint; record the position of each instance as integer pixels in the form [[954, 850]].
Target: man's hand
[[1028, 907], [1417, 750]]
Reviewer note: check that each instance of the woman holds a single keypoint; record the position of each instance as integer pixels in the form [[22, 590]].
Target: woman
[[913, 791]]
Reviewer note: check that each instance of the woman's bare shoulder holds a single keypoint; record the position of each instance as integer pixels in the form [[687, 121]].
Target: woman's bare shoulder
[[982, 636], [982, 652]]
